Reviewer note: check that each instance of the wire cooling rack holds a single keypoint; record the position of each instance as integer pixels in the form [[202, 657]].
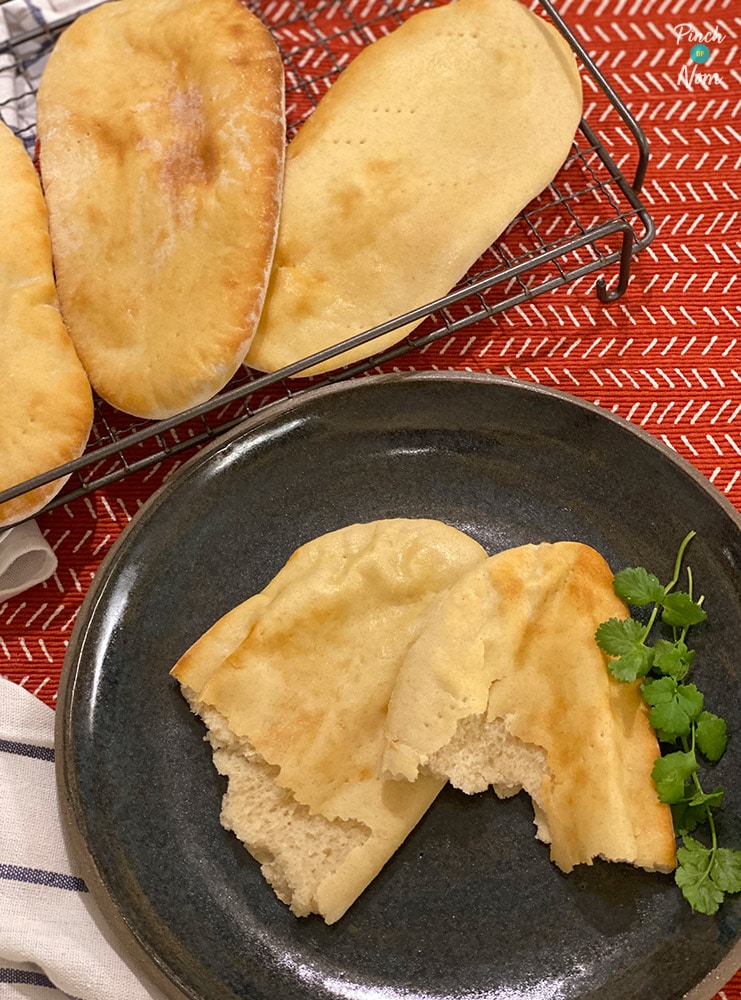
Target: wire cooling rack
[[590, 219]]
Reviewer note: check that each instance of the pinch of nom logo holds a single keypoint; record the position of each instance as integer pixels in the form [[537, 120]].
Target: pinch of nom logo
[[700, 46]]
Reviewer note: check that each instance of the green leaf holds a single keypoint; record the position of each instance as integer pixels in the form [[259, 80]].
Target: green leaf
[[672, 658], [632, 665], [694, 864], [670, 721], [705, 874], [674, 707], [636, 586], [622, 639], [692, 810], [659, 691], [711, 735], [670, 774], [679, 610], [725, 870], [687, 817], [694, 856], [690, 700], [700, 891], [667, 717], [618, 636]]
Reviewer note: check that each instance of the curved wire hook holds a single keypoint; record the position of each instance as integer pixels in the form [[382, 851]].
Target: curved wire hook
[[626, 253]]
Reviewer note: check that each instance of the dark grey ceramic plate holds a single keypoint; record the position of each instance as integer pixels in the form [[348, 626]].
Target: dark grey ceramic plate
[[470, 906]]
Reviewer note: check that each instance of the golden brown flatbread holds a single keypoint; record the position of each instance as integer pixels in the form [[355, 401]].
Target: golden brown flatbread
[[162, 147], [46, 404], [507, 687], [425, 148], [294, 685]]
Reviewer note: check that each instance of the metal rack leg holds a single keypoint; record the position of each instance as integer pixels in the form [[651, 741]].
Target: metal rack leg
[[626, 253]]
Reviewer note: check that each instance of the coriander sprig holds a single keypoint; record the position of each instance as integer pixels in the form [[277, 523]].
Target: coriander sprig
[[705, 872]]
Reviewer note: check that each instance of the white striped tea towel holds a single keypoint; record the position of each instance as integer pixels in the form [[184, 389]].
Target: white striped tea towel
[[53, 941]]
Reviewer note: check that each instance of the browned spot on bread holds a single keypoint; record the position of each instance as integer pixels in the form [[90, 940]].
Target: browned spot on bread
[[191, 157]]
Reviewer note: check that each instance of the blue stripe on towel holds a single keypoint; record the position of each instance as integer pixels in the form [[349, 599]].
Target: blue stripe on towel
[[26, 978], [28, 750], [37, 876]]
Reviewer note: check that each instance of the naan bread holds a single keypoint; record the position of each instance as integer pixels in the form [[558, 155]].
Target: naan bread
[[162, 147], [422, 152], [46, 404], [294, 685], [506, 687]]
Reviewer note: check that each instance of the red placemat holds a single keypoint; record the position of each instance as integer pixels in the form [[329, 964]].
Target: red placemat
[[665, 357]]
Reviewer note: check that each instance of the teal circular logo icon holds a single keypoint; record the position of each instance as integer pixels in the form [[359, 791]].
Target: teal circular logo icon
[[699, 53]]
